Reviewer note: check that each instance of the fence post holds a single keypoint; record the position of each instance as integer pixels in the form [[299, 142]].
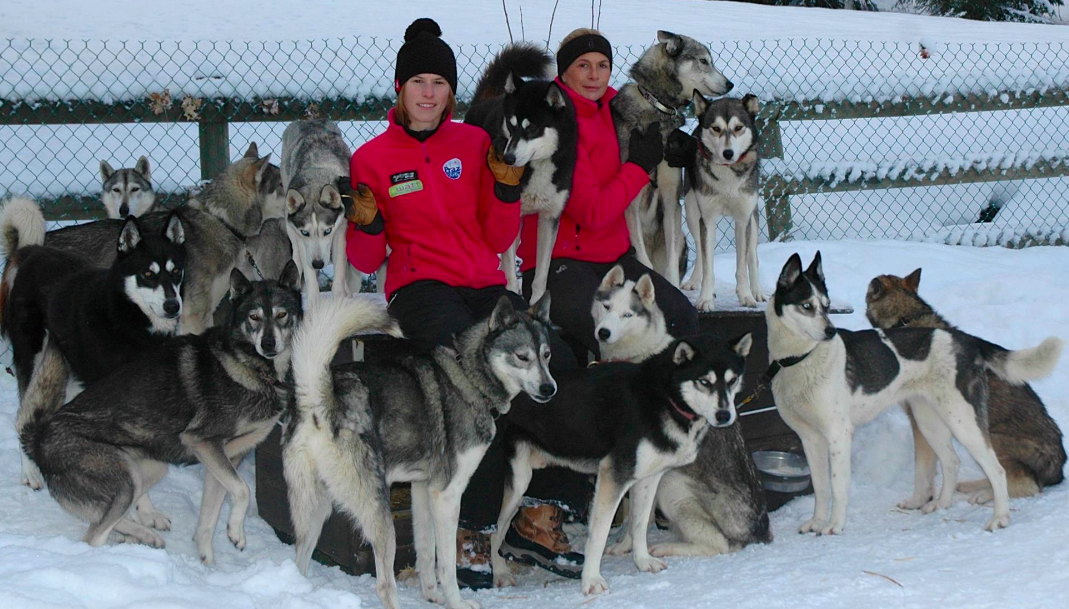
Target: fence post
[[777, 207], [214, 146]]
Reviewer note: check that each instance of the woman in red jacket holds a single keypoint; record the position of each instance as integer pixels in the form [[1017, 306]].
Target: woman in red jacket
[[593, 235], [433, 190]]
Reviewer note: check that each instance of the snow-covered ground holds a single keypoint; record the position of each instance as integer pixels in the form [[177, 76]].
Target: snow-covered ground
[[1015, 298]]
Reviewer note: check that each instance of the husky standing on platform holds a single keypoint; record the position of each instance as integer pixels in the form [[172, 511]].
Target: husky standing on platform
[[829, 381], [722, 181], [314, 156], [127, 192], [532, 123], [665, 78]]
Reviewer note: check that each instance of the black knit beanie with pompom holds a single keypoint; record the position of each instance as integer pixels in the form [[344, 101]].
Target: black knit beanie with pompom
[[424, 52]]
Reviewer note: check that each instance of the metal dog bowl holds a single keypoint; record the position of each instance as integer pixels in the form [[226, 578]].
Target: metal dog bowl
[[782, 472]]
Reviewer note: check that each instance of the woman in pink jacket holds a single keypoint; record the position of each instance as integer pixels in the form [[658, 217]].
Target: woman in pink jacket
[[434, 191]]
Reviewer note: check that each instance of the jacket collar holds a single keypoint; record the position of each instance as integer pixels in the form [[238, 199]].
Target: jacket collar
[[398, 132], [583, 106]]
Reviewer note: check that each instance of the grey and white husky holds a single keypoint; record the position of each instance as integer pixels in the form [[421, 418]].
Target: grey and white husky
[[722, 181], [531, 123], [427, 420], [217, 222], [127, 192], [208, 398], [715, 504], [665, 78], [314, 156], [829, 381]]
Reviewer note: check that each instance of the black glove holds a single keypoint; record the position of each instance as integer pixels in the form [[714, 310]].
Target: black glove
[[343, 185], [680, 148], [646, 149]]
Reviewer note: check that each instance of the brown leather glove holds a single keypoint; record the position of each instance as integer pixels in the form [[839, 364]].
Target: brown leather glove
[[508, 175], [360, 205]]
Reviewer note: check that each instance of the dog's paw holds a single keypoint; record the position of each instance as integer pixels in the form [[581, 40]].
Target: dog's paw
[[934, 505], [746, 300], [207, 557], [998, 522], [832, 528], [236, 536], [706, 305], [913, 503], [811, 526], [463, 604], [621, 547], [981, 497], [649, 564], [759, 296], [31, 474], [155, 520], [504, 579], [691, 284], [595, 585]]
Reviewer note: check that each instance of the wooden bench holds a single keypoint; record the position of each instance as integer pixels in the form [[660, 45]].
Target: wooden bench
[[341, 543]]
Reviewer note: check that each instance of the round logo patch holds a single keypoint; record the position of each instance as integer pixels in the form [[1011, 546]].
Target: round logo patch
[[453, 168]]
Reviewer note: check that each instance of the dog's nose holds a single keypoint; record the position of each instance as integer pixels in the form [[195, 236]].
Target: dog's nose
[[723, 416], [317, 264], [510, 158], [124, 210], [547, 390], [829, 331], [730, 85], [728, 154], [604, 334], [171, 307]]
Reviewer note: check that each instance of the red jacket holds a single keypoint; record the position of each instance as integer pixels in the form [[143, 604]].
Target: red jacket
[[437, 199], [593, 226]]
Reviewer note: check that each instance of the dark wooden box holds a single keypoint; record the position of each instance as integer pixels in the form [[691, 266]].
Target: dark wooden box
[[342, 545]]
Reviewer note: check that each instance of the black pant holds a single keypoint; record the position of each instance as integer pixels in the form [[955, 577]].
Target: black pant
[[430, 313], [572, 284]]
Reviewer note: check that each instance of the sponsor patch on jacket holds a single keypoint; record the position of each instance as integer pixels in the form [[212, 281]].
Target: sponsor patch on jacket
[[405, 188], [404, 176], [453, 168]]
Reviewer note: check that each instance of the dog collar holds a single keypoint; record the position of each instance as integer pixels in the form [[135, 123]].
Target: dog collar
[[687, 414], [745, 157], [656, 103], [786, 362]]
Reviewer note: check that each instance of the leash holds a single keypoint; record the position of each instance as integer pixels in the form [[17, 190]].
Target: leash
[[656, 103], [252, 261], [773, 369]]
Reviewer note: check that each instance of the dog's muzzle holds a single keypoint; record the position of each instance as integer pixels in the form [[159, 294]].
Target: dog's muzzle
[[172, 307], [317, 265], [604, 334]]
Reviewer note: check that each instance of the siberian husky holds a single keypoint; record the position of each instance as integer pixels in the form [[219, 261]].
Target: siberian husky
[[127, 192]]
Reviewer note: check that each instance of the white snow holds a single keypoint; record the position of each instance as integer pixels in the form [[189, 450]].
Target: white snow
[[1013, 297]]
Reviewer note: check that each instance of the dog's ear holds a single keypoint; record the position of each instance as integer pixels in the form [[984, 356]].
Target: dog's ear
[[329, 197], [742, 345], [673, 43], [682, 353], [751, 103], [143, 168], [290, 278], [252, 152], [645, 290], [512, 82], [105, 170], [816, 270], [613, 279], [913, 281], [875, 291], [502, 314], [791, 272], [294, 201], [261, 168], [129, 236], [555, 97], [239, 286], [700, 103], [540, 309], [173, 231]]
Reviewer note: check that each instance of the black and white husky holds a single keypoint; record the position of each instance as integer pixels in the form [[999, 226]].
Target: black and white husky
[[531, 123], [665, 78], [629, 424], [207, 398], [722, 180], [831, 381], [425, 419], [127, 191], [715, 504]]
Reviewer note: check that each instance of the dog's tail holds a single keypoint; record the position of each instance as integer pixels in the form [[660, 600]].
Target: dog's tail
[[43, 397], [326, 326], [21, 224], [523, 59], [1022, 365]]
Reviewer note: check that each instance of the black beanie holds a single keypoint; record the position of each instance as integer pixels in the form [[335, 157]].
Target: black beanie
[[582, 45], [424, 52]]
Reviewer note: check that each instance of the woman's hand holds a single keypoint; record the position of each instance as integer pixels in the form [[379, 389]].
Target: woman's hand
[[646, 149], [509, 175], [360, 205], [680, 149]]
